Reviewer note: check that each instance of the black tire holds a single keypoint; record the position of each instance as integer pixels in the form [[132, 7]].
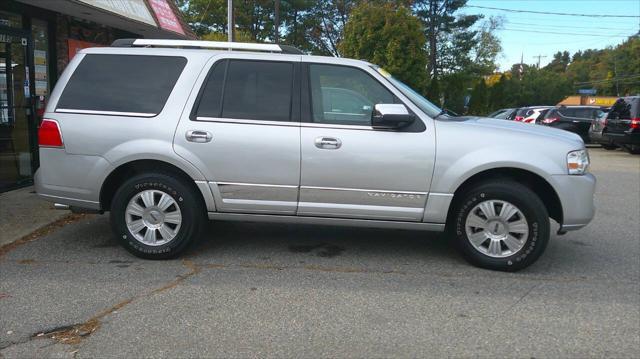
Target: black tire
[[609, 147], [633, 149], [192, 210], [529, 205]]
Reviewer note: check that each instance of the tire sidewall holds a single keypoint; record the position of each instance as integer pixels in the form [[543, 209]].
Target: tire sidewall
[[185, 200], [531, 207]]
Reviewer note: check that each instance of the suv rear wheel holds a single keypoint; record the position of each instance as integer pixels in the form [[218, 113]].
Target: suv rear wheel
[[500, 225], [156, 216]]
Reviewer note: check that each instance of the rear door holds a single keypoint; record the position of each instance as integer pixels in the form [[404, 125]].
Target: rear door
[[242, 130], [619, 118], [351, 170]]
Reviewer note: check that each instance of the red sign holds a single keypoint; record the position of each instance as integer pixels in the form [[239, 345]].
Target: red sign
[[166, 17], [77, 45]]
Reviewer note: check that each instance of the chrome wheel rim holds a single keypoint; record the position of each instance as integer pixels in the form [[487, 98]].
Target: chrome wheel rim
[[153, 217], [497, 228]]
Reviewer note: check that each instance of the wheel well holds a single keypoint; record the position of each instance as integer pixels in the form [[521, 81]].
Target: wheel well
[[127, 170], [536, 183]]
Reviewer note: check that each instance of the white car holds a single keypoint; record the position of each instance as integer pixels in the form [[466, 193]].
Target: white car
[[531, 114]]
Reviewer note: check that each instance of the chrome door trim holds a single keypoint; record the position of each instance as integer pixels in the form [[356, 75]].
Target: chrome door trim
[[343, 127], [255, 197], [360, 211], [248, 122], [349, 222], [106, 113], [362, 190], [256, 184]]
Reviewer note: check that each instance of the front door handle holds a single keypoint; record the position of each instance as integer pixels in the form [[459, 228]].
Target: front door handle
[[328, 143], [198, 136]]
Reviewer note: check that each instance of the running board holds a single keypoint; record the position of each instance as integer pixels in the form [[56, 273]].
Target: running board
[[348, 222]]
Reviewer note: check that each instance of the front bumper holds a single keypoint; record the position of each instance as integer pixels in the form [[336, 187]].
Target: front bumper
[[576, 195]]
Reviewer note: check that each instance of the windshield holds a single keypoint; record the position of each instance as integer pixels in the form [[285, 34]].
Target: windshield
[[425, 105]]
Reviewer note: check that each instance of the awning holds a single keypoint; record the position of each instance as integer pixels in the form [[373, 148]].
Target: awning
[[147, 18]]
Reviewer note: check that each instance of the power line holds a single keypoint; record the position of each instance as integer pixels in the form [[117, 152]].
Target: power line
[[570, 26], [550, 13], [562, 33], [621, 79]]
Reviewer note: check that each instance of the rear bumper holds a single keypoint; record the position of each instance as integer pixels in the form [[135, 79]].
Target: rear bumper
[[624, 138], [576, 195]]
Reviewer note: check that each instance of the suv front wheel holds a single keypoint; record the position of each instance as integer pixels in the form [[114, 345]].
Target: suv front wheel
[[500, 225], [156, 216]]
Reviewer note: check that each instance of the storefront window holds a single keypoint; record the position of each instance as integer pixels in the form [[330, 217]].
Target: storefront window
[[10, 19], [41, 61]]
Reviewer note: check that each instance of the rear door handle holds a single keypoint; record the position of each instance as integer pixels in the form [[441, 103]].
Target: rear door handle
[[328, 143], [198, 136]]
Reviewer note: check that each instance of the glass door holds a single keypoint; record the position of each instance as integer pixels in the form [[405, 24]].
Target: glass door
[[17, 127]]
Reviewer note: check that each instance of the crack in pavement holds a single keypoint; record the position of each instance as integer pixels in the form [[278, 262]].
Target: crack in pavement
[[75, 333], [41, 232]]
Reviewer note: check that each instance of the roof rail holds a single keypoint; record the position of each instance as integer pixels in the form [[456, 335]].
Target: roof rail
[[197, 44]]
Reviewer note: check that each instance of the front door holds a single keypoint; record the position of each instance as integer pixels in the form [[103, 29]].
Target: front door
[[349, 169], [244, 134], [17, 126]]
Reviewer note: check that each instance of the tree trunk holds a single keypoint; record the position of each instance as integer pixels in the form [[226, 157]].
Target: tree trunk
[[433, 8]]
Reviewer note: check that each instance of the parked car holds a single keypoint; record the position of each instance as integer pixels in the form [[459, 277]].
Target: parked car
[[576, 119], [598, 128], [531, 114], [623, 124], [189, 131], [504, 114]]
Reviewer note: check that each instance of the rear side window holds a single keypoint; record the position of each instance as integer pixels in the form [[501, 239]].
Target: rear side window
[[569, 112], [139, 85], [621, 109], [258, 90]]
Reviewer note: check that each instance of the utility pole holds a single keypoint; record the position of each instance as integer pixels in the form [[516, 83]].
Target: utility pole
[[230, 19], [277, 22], [539, 57], [615, 73]]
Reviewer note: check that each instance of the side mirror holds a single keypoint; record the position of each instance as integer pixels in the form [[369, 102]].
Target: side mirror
[[391, 116]]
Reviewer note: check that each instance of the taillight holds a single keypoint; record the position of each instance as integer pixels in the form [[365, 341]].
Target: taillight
[[635, 122], [519, 118], [49, 134], [550, 120]]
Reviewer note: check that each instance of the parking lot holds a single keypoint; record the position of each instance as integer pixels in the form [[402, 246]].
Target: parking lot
[[267, 290]]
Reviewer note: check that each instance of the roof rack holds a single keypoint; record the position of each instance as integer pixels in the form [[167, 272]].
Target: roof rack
[[197, 44]]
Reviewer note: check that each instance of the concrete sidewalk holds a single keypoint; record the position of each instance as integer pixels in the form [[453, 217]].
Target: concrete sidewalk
[[22, 213]]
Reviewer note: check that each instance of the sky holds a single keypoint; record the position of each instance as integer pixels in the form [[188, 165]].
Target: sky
[[528, 33]]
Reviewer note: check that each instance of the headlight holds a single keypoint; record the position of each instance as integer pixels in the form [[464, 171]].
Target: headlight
[[577, 162]]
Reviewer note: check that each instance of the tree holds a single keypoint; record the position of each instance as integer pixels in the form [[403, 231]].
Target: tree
[[478, 102], [388, 36], [448, 35]]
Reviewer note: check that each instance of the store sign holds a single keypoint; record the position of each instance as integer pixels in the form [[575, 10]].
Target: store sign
[[132, 9], [77, 45], [167, 19]]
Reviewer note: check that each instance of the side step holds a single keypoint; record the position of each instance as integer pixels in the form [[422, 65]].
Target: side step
[[348, 222]]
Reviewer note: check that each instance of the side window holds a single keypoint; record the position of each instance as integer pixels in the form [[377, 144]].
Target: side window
[[344, 95], [210, 104], [621, 109], [258, 90], [568, 112], [122, 83]]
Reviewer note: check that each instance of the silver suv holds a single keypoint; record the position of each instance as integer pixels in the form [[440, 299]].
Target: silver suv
[[166, 134]]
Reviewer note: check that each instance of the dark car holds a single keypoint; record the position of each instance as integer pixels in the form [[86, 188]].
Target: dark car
[[504, 114], [598, 129], [623, 124], [576, 119]]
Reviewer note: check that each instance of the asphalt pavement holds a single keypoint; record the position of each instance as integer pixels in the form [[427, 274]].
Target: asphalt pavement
[[267, 290]]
